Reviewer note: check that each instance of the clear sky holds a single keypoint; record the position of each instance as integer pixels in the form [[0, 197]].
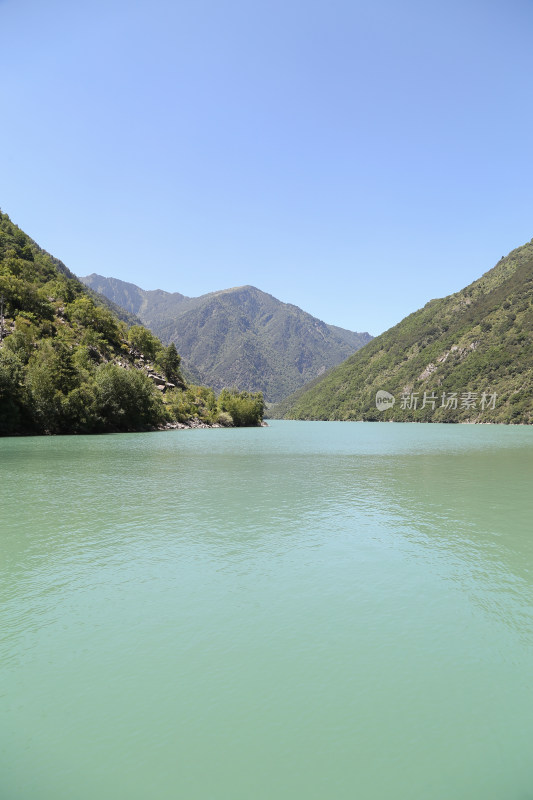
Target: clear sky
[[354, 158]]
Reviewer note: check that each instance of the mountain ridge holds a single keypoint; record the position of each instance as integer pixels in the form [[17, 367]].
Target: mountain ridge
[[238, 335]]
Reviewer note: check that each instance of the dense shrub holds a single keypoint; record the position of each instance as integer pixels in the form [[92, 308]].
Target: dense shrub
[[127, 399], [245, 408]]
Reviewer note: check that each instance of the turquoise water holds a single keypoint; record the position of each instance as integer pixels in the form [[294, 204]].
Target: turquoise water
[[311, 610]]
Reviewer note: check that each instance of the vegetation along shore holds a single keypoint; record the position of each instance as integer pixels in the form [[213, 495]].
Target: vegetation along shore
[[73, 362]]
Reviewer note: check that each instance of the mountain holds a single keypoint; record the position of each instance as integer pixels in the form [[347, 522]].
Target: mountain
[[240, 336], [69, 364], [475, 347]]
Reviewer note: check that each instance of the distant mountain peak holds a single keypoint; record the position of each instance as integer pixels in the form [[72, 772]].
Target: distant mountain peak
[[238, 336]]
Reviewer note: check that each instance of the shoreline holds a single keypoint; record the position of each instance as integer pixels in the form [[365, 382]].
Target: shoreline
[[408, 421], [195, 424]]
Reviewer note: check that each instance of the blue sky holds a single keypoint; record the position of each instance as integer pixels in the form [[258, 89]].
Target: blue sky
[[356, 159]]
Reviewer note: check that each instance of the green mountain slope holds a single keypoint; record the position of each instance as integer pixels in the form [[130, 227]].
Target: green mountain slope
[[68, 364], [477, 341], [240, 336]]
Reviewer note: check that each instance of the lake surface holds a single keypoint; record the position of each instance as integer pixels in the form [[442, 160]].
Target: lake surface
[[310, 610]]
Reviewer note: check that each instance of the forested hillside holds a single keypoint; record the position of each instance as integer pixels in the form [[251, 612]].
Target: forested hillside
[[68, 364]]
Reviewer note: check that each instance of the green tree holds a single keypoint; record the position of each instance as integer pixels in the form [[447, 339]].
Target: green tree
[[168, 360], [142, 340], [21, 295], [21, 341], [245, 408], [11, 391], [50, 376], [127, 399], [80, 409], [83, 311]]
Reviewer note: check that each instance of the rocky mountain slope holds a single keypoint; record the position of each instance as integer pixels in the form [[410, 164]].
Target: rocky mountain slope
[[240, 336]]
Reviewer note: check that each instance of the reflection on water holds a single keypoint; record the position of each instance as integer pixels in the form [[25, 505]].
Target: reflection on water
[[308, 610]]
